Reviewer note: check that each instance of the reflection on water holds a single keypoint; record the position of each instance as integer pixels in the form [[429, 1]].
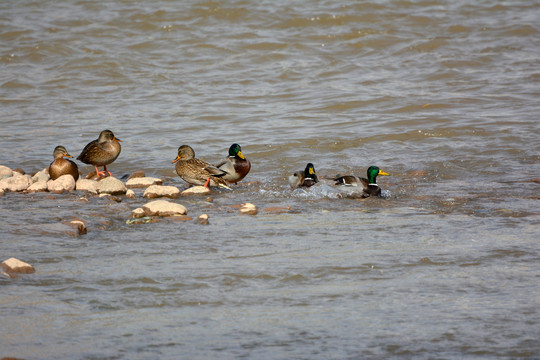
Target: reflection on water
[[441, 96]]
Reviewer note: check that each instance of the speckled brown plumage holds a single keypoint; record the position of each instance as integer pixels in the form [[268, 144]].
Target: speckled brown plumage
[[61, 166], [197, 172], [101, 152]]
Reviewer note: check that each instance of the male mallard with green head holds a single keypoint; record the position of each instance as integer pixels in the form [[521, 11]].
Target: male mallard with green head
[[61, 166], [370, 184], [235, 165], [304, 178], [197, 172], [101, 152]]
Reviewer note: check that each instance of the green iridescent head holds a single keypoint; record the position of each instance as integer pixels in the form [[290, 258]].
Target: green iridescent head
[[236, 150], [372, 173]]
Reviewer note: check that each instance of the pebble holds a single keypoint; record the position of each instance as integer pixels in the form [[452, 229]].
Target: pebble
[[164, 208], [196, 190], [155, 191], [16, 266], [111, 185], [86, 185], [248, 209], [140, 182], [64, 183], [79, 225], [130, 194], [203, 219], [17, 182]]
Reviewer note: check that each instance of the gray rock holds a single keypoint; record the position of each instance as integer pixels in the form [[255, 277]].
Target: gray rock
[[64, 183], [156, 191], [86, 185], [164, 208], [140, 182], [111, 185]]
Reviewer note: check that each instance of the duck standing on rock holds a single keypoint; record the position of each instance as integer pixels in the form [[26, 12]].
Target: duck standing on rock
[[370, 187], [61, 166], [304, 178], [101, 152], [236, 166], [197, 172]]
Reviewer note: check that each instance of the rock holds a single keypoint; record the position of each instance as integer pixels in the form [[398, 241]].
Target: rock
[[64, 183], [16, 266], [1, 192], [155, 191], [38, 187], [203, 219], [20, 171], [130, 194], [17, 182], [79, 226], [248, 209], [42, 175], [111, 185], [86, 185], [142, 220], [5, 172], [196, 190], [143, 182], [138, 213], [164, 208], [278, 209], [137, 174]]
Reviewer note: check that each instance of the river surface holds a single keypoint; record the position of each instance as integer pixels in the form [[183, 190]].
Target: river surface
[[444, 96]]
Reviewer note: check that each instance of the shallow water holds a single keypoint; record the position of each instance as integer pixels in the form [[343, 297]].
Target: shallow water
[[444, 97]]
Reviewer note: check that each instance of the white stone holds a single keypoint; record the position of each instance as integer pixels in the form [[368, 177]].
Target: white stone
[[64, 183], [155, 191], [111, 185], [164, 208], [196, 190], [143, 182], [41, 176], [86, 185], [248, 209], [5, 172], [130, 194], [17, 182], [38, 187]]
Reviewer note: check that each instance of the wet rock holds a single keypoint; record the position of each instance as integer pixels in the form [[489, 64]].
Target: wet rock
[[17, 182], [86, 185], [20, 171], [111, 197], [111, 185], [39, 186], [196, 190], [278, 209], [142, 182], [203, 219], [142, 220], [248, 209], [5, 172], [130, 194], [164, 208], [156, 191], [1, 192], [137, 174], [138, 213], [180, 218], [16, 266], [41, 176], [79, 226], [64, 183]]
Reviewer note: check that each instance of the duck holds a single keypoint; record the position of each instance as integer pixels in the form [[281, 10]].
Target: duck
[[304, 178], [101, 152], [370, 187], [61, 166], [236, 165], [198, 172]]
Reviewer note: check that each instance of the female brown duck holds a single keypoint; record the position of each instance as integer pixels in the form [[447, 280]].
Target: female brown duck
[[101, 152], [197, 172], [61, 166]]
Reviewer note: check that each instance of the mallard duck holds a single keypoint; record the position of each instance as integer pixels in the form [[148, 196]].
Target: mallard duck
[[101, 152], [197, 172], [370, 184], [304, 178], [235, 165], [61, 166]]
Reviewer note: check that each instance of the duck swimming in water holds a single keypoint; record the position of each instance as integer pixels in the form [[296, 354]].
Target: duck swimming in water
[[304, 178], [370, 187]]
